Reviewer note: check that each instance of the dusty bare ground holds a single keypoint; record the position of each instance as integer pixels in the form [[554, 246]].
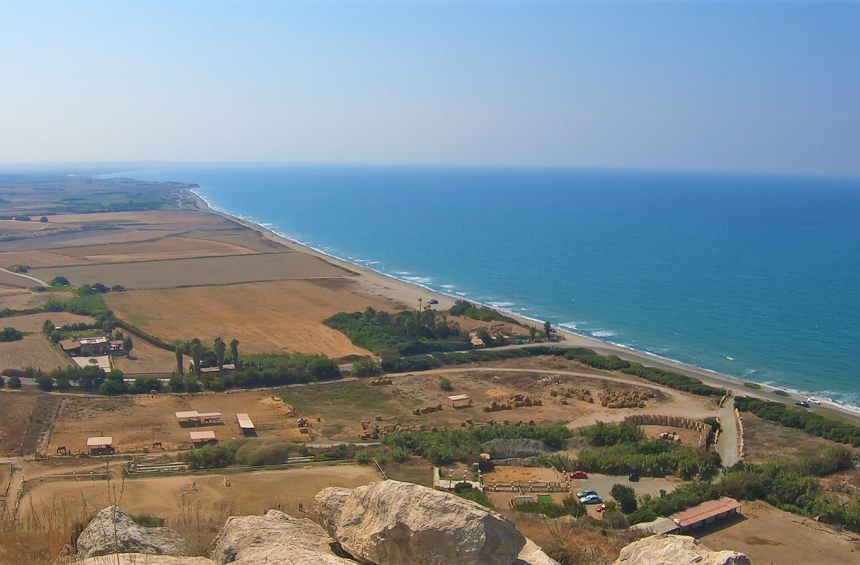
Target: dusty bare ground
[[21, 299], [136, 422], [179, 496], [765, 440], [33, 322], [15, 410], [688, 437], [264, 317], [32, 351], [769, 535], [343, 405], [144, 359]]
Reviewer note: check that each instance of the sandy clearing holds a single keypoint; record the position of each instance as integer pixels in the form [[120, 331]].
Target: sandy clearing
[[195, 272], [145, 359], [271, 316], [32, 351]]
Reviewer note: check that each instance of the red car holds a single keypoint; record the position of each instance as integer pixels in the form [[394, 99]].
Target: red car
[[578, 475], [600, 507]]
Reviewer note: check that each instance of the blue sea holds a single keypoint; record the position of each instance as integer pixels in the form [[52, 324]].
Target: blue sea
[[755, 277]]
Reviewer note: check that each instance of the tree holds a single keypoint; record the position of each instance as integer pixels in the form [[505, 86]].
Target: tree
[[220, 349], [191, 384], [127, 345], [175, 383], [547, 328], [197, 351], [532, 333], [45, 382], [445, 384], [179, 350], [365, 368], [234, 350], [625, 496], [44, 219], [10, 334], [14, 383], [48, 328], [59, 281]]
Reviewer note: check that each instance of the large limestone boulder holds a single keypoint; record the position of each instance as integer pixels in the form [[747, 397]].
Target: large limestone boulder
[[274, 538], [394, 523], [112, 531], [141, 559], [531, 554], [676, 550]]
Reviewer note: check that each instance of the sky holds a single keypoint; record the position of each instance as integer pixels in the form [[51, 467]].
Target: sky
[[760, 87]]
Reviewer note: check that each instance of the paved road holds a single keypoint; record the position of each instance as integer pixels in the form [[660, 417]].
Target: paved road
[[39, 282]]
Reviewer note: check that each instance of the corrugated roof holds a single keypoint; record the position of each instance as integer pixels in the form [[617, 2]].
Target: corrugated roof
[[658, 526], [202, 436], [99, 441], [186, 414], [704, 511], [245, 422]]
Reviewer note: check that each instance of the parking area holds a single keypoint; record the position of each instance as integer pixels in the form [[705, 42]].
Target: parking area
[[602, 484]]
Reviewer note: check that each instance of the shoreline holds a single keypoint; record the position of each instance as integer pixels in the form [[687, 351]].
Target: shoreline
[[408, 293]]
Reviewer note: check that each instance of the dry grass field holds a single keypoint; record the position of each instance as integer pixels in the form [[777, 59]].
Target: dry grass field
[[264, 317], [139, 218], [15, 410], [33, 322], [764, 440], [36, 259], [145, 359], [32, 351], [135, 422], [200, 271], [179, 496], [768, 535]]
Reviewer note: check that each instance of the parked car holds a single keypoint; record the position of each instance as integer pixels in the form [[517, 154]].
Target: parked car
[[634, 477], [432, 301], [600, 507], [578, 475], [591, 499], [803, 403], [814, 400], [584, 493]]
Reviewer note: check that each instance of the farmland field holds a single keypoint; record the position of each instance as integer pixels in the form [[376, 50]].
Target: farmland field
[[15, 410], [145, 358], [264, 317], [33, 322], [201, 271], [32, 351]]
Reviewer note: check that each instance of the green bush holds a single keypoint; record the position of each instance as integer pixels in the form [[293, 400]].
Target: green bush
[[14, 383], [445, 384], [257, 453], [625, 496], [465, 490], [211, 456], [59, 281], [601, 435], [365, 367], [10, 334], [752, 385]]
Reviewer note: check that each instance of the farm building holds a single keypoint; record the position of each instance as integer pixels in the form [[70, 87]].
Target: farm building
[[245, 424], [200, 439], [86, 346], [198, 418], [658, 526], [460, 400], [100, 445], [706, 513]]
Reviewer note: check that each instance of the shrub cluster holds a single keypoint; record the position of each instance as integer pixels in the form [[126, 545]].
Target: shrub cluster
[[88, 305], [483, 313], [570, 506], [601, 435], [448, 446], [810, 422], [404, 333]]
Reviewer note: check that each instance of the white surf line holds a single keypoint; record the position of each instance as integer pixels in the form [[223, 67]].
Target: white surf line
[[34, 279]]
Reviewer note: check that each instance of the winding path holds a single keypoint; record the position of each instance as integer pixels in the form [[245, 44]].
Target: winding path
[[40, 282]]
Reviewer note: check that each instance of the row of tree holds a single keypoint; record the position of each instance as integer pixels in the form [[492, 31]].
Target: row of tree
[[202, 356]]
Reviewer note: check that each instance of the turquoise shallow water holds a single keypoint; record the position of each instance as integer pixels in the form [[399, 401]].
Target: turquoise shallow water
[[755, 277]]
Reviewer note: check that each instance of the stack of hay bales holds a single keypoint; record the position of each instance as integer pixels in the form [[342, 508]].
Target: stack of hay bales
[[515, 401], [621, 399]]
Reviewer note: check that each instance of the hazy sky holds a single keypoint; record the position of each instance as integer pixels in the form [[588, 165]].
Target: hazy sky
[[765, 87]]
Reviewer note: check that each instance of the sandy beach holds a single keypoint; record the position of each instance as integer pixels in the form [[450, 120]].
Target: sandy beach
[[409, 294]]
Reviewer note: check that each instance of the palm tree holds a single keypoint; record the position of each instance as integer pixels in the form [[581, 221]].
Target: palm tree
[[532, 332], [220, 348], [234, 349], [197, 351], [546, 328], [179, 350]]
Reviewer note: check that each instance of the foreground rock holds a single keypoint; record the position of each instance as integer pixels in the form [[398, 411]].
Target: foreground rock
[[394, 523], [676, 550], [274, 538], [112, 531], [141, 559], [531, 554]]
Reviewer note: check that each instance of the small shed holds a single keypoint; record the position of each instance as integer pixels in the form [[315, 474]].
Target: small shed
[[706, 513], [245, 424], [199, 439], [460, 400], [520, 499], [193, 416], [187, 416], [209, 417], [100, 445]]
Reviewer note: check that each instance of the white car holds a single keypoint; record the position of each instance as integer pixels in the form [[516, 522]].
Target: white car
[[591, 499], [813, 400]]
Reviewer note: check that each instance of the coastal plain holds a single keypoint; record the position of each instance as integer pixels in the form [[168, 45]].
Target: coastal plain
[[185, 271]]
